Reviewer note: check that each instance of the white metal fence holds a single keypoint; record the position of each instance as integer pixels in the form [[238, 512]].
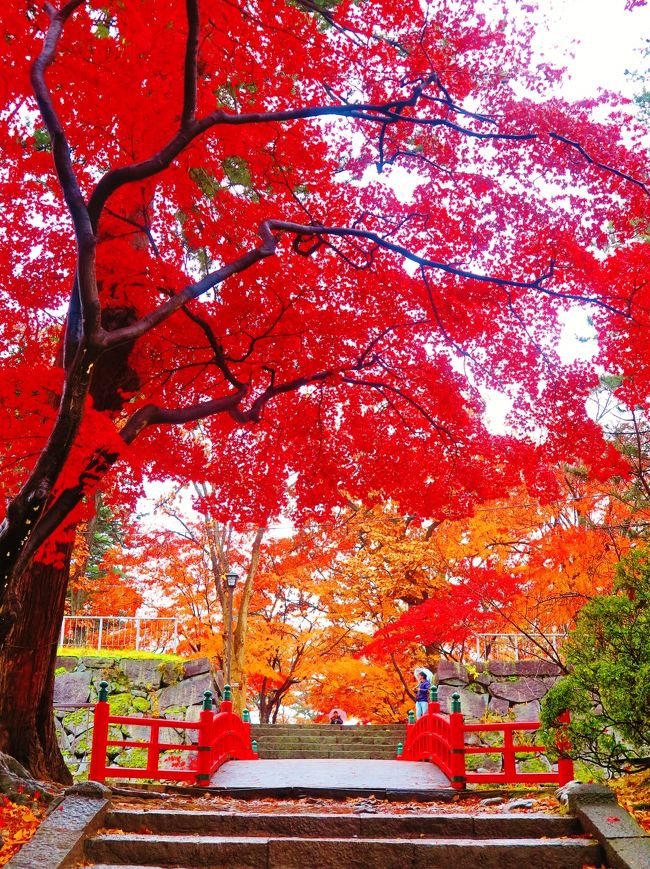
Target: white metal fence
[[119, 632], [515, 647]]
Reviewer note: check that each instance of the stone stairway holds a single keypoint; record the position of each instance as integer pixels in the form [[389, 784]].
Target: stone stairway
[[301, 840], [370, 742]]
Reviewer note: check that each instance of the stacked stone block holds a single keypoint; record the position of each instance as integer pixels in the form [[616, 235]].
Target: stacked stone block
[[138, 687], [498, 691]]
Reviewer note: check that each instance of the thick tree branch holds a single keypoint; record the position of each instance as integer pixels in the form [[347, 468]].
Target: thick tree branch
[[152, 414], [130, 333], [84, 232], [60, 146], [191, 59]]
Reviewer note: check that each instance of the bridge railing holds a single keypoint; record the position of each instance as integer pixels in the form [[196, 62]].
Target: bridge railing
[[440, 738], [219, 736]]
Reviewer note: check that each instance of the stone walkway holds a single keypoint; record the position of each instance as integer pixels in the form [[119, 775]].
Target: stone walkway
[[330, 774]]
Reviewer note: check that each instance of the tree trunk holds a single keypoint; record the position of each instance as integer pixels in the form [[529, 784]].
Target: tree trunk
[[238, 663], [27, 662]]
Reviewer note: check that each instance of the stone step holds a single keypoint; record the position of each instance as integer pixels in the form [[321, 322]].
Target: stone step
[[266, 852], [339, 735], [325, 728], [344, 825], [291, 742], [325, 753]]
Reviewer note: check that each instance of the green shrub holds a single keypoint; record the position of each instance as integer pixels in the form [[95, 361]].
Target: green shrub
[[607, 690]]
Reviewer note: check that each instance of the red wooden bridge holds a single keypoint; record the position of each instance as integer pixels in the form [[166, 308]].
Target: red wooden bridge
[[442, 740]]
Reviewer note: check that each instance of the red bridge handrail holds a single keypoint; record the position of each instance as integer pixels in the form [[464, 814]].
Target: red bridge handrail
[[439, 737], [221, 736]]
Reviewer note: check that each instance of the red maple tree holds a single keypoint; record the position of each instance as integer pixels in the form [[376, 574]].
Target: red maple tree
[[207, 194]]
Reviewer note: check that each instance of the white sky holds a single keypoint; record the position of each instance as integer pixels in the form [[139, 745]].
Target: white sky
[[604, 38], [597, 40]]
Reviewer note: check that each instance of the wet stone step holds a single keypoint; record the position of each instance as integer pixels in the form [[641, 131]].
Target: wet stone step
[[328, 728], [330, 746], [349, 739], [348, 825], [328, 751], [298, 853]]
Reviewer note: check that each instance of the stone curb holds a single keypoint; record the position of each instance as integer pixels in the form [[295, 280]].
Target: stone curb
[[59, 841], [624, 842]]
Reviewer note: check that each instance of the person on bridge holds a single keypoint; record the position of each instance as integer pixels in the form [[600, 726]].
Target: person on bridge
[[422, 694]]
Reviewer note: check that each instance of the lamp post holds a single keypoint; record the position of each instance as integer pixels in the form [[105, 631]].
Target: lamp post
[[231, 582]]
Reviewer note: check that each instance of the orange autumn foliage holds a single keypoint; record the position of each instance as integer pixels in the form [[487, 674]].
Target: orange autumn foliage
[[518, 566], [18, 823]]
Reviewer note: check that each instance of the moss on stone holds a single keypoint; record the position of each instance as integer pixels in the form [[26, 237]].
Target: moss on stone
[[121, 704], [476, 688], [133, 758], [532, 763], [171, 672], [82, 747], [176, 712], [141, 704], [73, 720], [116, 678], [475, 761]]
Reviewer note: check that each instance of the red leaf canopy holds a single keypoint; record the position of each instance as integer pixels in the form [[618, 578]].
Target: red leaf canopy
[[207, 195]]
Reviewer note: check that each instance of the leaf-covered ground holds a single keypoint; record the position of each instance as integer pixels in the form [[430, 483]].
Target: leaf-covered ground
[[543, 802], [633, 793], [18, 822]]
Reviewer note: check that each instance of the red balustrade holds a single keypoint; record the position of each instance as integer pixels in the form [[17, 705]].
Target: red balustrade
[[220, 736], [439, 737]]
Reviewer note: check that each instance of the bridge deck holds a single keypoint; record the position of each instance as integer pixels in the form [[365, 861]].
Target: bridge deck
[[333, 775]]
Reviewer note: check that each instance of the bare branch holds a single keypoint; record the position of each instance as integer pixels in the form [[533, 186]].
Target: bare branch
[[308, 232]]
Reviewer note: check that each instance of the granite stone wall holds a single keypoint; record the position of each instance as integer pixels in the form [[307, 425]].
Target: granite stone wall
[[512, 689], [494, 691], [138, 687]]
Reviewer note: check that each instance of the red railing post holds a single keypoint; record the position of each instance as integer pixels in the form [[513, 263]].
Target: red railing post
[[509, 759], [204, 746], [564, 763], [226, 703], [97, 770], [457, 744], [407, 748], [153, 752]]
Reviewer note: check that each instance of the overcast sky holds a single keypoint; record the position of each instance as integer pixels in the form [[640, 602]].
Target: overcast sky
[[605, 39]]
